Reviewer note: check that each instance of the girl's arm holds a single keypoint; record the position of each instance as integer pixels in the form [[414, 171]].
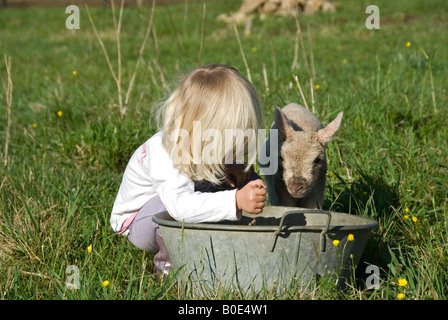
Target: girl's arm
[[177, 191]]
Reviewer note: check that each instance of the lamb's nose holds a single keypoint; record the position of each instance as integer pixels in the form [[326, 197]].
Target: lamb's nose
[[297, 183]]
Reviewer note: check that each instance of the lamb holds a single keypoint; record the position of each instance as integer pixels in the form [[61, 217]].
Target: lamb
[[300, 178]]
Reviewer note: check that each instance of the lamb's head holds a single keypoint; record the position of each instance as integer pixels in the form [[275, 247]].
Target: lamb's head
[[304, 164], [302, 154]]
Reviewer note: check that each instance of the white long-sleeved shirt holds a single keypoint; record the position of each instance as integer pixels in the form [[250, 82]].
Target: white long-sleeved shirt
[[150, 172]]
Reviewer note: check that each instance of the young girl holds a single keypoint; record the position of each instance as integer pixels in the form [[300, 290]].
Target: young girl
[[188, 175]]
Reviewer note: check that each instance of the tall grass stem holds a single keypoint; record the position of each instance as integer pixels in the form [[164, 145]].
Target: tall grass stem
[[204, 10], [8, 99], [241, 50]]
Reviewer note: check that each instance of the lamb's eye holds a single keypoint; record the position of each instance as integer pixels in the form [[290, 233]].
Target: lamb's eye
[[317, 161]]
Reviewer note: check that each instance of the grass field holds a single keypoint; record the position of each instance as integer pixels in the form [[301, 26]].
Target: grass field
[[68, 141]]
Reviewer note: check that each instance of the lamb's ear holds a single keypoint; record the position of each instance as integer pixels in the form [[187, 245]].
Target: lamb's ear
[[326, 134], [283, 126]]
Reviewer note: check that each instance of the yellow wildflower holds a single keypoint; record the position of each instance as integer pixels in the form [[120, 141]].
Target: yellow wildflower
[[408, 44], [335, 243], [406, 216], [74, 72], [60, 113], [254, 49], [414, 219], [407, 210], [105, 283], [317, 87], [344, 61], [331, 175], [89, 249], [400, 296], [34, 125], [351, 237], [402, 282]]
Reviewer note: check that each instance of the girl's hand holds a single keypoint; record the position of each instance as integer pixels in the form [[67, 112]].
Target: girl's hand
[[252, 197], [236, 175]]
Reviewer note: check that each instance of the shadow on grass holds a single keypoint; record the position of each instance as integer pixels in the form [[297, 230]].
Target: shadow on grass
[[372, 197]]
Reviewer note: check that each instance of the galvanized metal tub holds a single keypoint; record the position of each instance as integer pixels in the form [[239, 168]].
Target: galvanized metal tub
[[280, 247]]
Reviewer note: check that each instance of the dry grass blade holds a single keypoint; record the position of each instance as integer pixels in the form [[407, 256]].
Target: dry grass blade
[[310, 70], [106, 55], [118, 31], [241, 50], [8, 105], [313, 70], [159, 63], [300, 90], [295, 60], [204, 9], [433, 95], [312, 93], [140, 55], [299, 34], [116, 76], [265, 77], [176, 34], [274, 58]]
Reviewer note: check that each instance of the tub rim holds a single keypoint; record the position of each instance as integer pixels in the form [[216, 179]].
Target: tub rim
[[159, 218]]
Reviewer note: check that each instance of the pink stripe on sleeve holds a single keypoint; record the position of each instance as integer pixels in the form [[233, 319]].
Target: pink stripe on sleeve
[[127, 222]]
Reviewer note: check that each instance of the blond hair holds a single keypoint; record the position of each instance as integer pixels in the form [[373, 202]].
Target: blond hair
[[213, 98]]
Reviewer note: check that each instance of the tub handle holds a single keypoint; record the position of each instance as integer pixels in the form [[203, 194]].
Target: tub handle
[[314, 211]]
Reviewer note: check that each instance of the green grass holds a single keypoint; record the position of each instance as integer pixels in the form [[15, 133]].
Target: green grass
[[57, 191]]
